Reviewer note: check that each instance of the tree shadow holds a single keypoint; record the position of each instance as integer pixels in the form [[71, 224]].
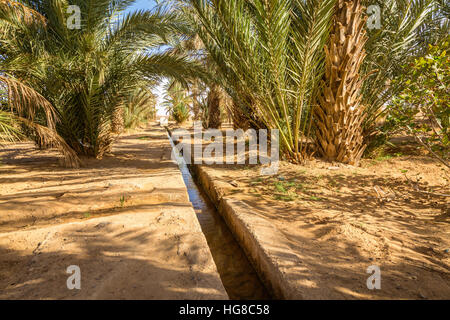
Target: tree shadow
[[347, 228], [114, 264]]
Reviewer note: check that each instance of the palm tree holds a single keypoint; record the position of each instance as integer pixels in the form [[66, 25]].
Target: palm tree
[[404, 36], [210, 114], [87, 74], [270, 56], [177, 101], [139, 107], [340, 114], [214, 103], [21, 105]]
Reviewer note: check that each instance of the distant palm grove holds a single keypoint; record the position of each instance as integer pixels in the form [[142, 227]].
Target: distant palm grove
[[313, 69]]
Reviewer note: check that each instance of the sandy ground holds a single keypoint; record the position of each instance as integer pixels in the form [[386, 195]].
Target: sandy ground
[[125, 220], [339, 220]]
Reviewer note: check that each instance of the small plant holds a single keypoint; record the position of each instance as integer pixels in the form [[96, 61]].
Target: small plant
[[301, 187], [384, 157], [287, 197], [422, 107], [87, 215], [122, 201], [280, 187]]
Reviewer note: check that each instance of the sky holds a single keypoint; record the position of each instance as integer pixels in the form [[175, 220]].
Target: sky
[[158, 91], [142, 4]]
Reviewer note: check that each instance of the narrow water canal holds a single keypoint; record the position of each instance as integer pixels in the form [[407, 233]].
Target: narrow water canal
[[237, 274]]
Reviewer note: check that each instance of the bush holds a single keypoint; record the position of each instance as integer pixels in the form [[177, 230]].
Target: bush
[[422, 108]]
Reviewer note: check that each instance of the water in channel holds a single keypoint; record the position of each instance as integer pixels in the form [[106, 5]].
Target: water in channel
[[237, 274]]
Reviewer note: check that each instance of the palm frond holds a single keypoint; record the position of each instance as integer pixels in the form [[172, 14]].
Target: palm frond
[[270, 57], [391, 47], [83, 77], [50, 138], [25, 100]]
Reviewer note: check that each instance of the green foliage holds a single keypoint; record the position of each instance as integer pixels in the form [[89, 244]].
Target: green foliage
[[407, 27], [280, 187], [87, 75], [177, 101], [139, 108], [422, 108], [269, 57], [180, 113]]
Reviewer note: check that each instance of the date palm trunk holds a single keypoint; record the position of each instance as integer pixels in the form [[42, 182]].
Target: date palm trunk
[[117, 121], [240, 119], [215, 97], [340, 114], [195, 103]]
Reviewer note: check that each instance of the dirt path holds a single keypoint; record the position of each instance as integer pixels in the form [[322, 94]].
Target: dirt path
[[126, 221]]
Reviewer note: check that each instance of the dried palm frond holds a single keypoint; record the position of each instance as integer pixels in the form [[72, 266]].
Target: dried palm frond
[[50, 138], [21, 11], [26, 101]]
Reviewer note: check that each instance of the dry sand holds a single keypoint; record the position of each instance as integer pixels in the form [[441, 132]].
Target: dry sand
[[125, 220], [337, 225]]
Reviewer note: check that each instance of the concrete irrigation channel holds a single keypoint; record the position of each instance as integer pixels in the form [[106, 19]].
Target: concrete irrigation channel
[[288, 258], [262, 243], [238, 276]]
